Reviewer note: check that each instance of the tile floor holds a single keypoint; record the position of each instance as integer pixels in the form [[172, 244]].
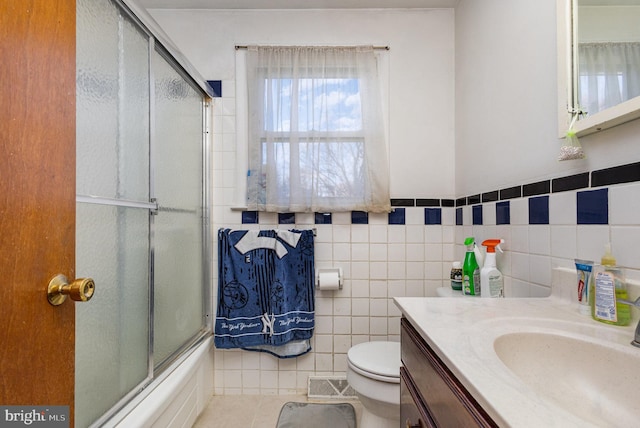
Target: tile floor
[[254, 411]]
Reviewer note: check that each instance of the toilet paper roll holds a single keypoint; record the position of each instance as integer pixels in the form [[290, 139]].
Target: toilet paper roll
[[329, 280]]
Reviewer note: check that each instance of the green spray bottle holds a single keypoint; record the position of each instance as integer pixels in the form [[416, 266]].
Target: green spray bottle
[[470, 270]]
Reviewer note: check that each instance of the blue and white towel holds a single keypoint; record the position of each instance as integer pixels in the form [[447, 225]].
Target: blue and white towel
[[265, 291]]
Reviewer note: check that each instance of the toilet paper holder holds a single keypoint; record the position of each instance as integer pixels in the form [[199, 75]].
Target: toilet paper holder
[[331, 272]]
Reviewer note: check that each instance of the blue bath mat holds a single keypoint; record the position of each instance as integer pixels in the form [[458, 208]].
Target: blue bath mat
[[317, 415]]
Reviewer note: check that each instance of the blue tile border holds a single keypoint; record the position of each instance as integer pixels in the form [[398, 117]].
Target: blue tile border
[[397, 216], [477, 215], [593, 207], [216, 85], [286, 218], [503, 212], [429, 202], [403, 202], [490, 196], [322, 218], [511, 193], [359, 217], [592, 204], [250, 217], [534, 189], [616, 175], [474, 199], [539, 210], [432, 216], [572, 182]]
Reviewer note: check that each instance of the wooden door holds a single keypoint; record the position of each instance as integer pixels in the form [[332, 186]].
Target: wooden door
[[37, 200]]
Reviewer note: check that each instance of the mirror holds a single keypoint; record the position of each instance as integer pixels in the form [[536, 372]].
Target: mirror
[[601, 56]]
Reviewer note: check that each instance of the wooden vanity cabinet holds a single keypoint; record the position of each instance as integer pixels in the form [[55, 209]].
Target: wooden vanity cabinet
[[430, 394]]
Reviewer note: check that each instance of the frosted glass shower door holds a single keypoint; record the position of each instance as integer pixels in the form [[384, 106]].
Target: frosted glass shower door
[[178, 182], [112, 215], [140, 217]]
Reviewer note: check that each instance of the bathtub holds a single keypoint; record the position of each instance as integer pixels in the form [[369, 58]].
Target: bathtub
[[176, 399]]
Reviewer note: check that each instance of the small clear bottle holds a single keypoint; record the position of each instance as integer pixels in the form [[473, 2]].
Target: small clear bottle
[[607, 286], [456, 276]]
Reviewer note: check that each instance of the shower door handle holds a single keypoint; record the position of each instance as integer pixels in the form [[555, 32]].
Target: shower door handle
[[80, 290]]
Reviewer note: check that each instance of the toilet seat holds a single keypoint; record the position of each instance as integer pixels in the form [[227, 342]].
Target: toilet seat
[[376, 360]]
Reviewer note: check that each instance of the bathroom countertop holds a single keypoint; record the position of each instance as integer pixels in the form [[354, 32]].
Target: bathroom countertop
[[462, 332]]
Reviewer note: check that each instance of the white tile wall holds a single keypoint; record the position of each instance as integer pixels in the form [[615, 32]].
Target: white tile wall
[[381, 261]]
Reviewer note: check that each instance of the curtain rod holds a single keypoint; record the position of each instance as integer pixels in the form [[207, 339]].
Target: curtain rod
[[386, 48]]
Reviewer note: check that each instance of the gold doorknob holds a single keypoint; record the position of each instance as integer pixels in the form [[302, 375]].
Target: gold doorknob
[[80, 290]]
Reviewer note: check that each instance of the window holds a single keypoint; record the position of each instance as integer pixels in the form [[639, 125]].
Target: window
[[316, 140]]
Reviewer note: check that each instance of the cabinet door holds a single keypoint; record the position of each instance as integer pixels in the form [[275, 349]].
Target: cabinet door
[[413, 412], [446, 399]]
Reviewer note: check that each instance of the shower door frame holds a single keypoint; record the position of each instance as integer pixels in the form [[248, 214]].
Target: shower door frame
[[158, 371], [38, 195]]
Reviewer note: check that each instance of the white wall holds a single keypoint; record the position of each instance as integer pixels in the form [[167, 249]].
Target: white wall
[[506, 97], [506, 122], [421, 70]]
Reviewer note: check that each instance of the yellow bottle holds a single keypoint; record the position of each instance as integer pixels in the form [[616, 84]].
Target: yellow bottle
[[607, 286]]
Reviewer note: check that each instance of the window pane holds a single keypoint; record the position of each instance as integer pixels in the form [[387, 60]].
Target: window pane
[[323, 105], [329, 169], [339, 168]]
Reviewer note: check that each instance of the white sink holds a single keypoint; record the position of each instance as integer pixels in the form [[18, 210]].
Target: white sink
[[596, 380], [534, 362]]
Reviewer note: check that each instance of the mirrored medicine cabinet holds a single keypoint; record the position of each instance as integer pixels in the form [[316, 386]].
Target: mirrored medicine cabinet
[[598, 64]]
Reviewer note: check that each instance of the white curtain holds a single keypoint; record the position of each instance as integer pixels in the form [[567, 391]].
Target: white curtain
[[316, 134], [609, 74]]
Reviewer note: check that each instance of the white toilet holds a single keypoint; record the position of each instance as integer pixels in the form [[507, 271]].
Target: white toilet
[[374, 374]]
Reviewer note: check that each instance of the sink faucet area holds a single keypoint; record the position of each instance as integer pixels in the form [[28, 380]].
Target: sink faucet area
[[636, 338], [533, 362]]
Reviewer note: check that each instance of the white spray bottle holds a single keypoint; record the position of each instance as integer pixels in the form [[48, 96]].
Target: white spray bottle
[[491, 281]]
